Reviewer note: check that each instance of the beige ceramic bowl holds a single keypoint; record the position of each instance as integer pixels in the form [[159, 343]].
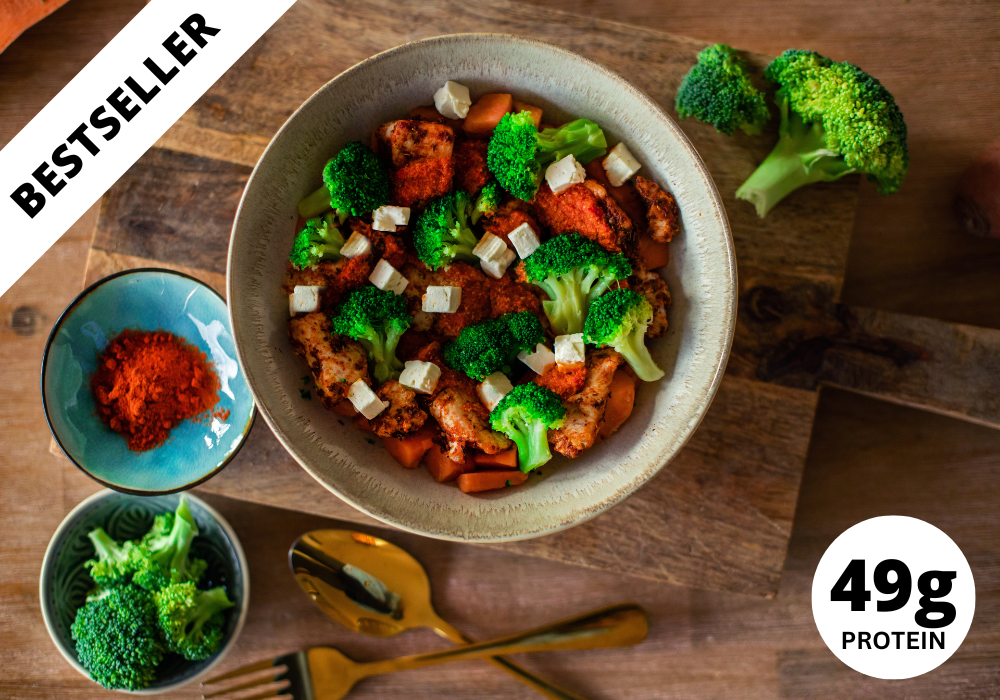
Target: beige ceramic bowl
[[701, 275]]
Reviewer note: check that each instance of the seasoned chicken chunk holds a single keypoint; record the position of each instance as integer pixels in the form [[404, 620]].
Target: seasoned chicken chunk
[[587, 209], [471, 173], [661, 210], [420, 153], [585, 409], [655, 289], [403, 416], [465, 422], [335, 361]]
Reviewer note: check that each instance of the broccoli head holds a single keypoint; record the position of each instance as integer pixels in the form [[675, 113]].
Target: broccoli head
[[115, 563], [835, 120], [377, 319], [619, 319], [718, 91], [442, 234], [573, 270], [354, 182], [488, 201], [491, 346], [319, 240], [525, 415], [192, 619], [167, 545], [518, 152], [118, 638]]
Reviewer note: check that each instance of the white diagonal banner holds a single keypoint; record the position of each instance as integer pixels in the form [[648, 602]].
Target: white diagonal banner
[[68, 156]]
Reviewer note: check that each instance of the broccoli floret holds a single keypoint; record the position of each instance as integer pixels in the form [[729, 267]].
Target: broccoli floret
[[488, 201], [442, 234], [835, 120], [319, 240], [619, 319], [518, 152], [168, 544], [115, 563], [354, 182], [191, 619], [118, 638], [525, 415], [491, 346], [573, 271], [718, 91], [377, 319]]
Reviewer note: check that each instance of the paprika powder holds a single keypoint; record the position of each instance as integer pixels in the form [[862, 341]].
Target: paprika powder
[[149, 381]]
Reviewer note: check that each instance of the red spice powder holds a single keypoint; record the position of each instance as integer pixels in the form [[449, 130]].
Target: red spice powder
[[149, 381]]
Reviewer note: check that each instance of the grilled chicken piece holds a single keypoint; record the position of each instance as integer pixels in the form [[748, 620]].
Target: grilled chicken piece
[[421, 157], [403, 415], [585, 409], [335, 361], [661, 210], [587, 209], [465, 422], [471, 173], [508, 216], [420, 278], [655, 289]]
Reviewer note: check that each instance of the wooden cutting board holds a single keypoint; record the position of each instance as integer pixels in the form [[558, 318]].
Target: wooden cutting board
[[719, 516]]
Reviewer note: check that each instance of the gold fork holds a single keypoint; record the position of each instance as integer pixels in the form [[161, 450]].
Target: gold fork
[[323, 673]]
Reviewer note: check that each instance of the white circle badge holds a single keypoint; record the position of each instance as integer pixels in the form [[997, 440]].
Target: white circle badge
[[893, 597]]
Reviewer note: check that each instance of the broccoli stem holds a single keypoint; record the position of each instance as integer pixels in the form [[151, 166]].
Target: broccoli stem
[[105, 547], [209, 602], [635, 352], [567, 305], [316, 203], [532, 440], [581, 137]]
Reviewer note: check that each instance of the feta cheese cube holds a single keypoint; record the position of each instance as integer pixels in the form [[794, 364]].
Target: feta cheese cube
[[422, 377], [539, 360], [304, 299], [490, 248], [365, 400], [570, 349], [442, 300], [387, 218], [564, 173], [496, 268], [453, 100], [493, 388], [525, 240], [387, 278], [620, 165], [357, 244]]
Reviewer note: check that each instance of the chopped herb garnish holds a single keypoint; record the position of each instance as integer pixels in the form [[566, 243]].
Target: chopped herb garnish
[[304, 393], [306, 379], [369, 441], [509, 483]]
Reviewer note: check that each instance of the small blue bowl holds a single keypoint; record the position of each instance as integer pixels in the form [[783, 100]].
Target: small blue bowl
[[148, 300], [64, 582]]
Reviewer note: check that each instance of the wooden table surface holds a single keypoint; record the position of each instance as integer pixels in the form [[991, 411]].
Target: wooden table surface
[[867, 458]]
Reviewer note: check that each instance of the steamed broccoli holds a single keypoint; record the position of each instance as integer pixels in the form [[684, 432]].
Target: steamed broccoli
[[835, 120], [118, 638], [488, 201], [377, 319], [191, 619], [442, 232], [354, 182], [525, 415], [115, 563], [619, 319], [718, 91], [573, 271], [518, 152], [319, 240], [491, 346], [167, 545]]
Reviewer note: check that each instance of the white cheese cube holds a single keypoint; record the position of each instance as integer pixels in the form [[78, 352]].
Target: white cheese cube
[[570, 349], [496, 268], [422, 377], [539, 360], [365, 400], [494, 388], [620, 165], [490, 248], [387, 218], [525, 240], [442, 300], [564, 173], [453, 100], [304, 299], [357, 244], [387, 278]]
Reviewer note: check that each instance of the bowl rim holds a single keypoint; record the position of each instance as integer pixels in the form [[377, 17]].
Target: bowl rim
[[46, 573], [730, 309], [45, 406]]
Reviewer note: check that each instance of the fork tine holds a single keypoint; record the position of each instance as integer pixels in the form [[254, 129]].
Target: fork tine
[[243, 686], [243, 671]]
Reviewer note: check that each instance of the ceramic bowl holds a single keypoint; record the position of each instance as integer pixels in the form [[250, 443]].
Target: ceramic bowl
[[65, 582], [146, 299], [701, 276]]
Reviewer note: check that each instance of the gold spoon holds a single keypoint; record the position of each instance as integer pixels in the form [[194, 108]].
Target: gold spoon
[[376, 588]]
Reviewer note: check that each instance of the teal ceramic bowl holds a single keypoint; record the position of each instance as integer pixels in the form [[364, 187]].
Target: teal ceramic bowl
[[65, 582], [149, 300]]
